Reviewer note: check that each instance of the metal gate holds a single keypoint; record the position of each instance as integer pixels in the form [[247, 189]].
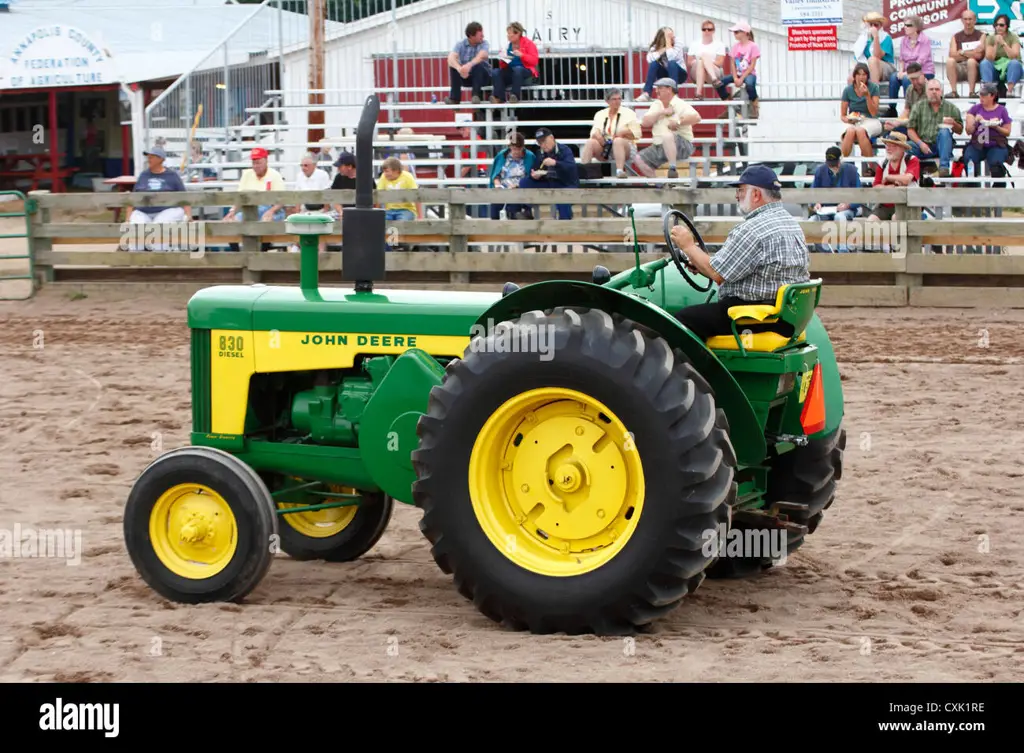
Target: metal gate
[[28, 239]]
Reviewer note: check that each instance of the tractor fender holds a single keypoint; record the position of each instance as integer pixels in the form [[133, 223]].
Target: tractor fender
[[818, 337], [744, 429]]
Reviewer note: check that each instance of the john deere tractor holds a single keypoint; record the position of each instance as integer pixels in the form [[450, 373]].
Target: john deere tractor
[[573, 448]]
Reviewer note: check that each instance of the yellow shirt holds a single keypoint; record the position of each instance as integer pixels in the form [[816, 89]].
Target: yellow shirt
[[403, 182], [624, 118], [250, 182], [679, 109]]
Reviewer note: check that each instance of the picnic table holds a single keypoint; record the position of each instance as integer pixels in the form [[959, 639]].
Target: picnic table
[[38, 170]]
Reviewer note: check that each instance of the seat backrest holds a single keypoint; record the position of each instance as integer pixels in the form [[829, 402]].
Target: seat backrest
[[799, 300]]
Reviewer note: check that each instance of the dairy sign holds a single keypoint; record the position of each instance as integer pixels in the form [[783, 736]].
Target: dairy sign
[[53, 56]]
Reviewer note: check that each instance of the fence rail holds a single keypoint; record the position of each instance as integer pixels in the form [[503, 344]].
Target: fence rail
[[908, 276]]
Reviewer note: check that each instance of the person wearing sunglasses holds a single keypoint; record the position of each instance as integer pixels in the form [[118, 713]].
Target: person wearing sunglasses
[[1002, 56], [706, 59], [874, 48]]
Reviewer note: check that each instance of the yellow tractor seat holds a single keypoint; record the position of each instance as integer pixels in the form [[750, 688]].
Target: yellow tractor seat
[[794, 304], [760, 342]]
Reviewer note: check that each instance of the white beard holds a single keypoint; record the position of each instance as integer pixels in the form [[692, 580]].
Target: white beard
[[745, 207]]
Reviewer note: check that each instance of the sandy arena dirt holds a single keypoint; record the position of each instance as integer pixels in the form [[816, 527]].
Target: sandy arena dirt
[[915, 574]]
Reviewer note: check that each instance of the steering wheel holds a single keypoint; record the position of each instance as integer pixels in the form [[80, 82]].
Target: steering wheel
[[677, 254]]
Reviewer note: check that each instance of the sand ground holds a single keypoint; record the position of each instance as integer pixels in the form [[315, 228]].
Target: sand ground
[[914, 575]]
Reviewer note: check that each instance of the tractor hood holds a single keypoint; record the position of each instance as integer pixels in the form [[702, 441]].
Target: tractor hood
[[261, 307]]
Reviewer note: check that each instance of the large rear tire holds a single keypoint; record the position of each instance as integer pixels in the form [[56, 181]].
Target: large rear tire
[[806, 475], [200, 526], [574, 494]]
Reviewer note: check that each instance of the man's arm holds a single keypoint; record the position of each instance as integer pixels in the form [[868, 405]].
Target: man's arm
[[653, 115]]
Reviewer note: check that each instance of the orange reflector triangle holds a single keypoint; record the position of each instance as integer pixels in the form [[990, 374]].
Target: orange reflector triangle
[[812, 417]]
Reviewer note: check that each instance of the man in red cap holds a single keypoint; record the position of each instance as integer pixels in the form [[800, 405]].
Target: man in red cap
[[261, 178]]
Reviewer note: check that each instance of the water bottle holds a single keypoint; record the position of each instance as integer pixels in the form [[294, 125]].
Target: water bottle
[[970, 169]]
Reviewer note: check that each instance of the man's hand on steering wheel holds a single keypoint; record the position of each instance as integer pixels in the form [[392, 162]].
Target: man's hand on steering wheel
[[684, 240]]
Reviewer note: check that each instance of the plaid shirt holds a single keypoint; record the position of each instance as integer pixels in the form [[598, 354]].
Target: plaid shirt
[[764, 252], [926, 121]]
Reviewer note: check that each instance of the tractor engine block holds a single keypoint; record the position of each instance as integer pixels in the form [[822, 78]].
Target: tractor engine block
[[330, 413]]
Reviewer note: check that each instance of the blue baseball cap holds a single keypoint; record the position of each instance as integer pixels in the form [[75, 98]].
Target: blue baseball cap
[[759, 176]]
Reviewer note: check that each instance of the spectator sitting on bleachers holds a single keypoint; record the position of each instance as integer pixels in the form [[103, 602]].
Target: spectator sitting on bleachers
[[835, 174], [510, 166], [915, 47], [988, 124], [858, 108], [615, 133], [671, 121], [744, 54], [966, 51], [898, 170], [468, 65], [157, 178], [874, 48], [666, 57], [916, 92], [933, 121], [1002, 56], [517, 65], [260, 177], [557, 169], [345, 180], [394, 177], [311, 178], [706, 59]]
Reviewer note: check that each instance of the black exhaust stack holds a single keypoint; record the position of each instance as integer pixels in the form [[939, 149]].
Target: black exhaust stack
[[363, 227]]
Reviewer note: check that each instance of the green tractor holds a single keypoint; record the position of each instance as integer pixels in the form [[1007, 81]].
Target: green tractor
[[582, 460]]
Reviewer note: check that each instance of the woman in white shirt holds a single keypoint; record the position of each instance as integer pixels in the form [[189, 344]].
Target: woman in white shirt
[[706, 61], [666, 57]]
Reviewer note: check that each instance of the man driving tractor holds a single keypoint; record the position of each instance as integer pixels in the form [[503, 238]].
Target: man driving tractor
[[764, 252]]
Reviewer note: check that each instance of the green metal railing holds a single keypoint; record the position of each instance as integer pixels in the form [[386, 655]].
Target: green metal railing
[[27, 235]]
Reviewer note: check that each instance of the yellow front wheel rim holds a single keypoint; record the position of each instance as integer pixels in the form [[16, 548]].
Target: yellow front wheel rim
[[556, 482], [321, 524], [193, 531]]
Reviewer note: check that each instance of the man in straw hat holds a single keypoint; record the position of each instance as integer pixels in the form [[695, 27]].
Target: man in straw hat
[[761, 254], [899, 170]]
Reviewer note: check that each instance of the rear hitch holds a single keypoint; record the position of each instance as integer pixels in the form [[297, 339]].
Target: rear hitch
[[766, 520]]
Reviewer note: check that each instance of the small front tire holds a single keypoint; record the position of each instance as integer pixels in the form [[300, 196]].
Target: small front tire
[[199, 526]]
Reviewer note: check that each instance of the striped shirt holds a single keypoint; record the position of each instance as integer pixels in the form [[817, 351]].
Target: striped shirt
[[764, 252]]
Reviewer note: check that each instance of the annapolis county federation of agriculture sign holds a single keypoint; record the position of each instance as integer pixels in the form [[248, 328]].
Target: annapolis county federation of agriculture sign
[[811, 12], [54, 55]]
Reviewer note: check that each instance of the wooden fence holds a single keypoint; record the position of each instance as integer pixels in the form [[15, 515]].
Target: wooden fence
[[910, 276]]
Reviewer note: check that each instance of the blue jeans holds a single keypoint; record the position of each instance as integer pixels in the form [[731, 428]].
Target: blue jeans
[[846, 215], [896, 83], [1014, 72], [512, 76], [564, 210], [994, 157], [943, 146], [656, 70], [511, 210], [750, 82], [397, 215]]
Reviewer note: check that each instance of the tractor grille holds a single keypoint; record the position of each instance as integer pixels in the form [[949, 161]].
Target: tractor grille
[[201, 380]]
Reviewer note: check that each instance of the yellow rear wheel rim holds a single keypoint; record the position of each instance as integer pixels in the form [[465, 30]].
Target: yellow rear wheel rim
[[193, 531], [556, 482], [321, 524]]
